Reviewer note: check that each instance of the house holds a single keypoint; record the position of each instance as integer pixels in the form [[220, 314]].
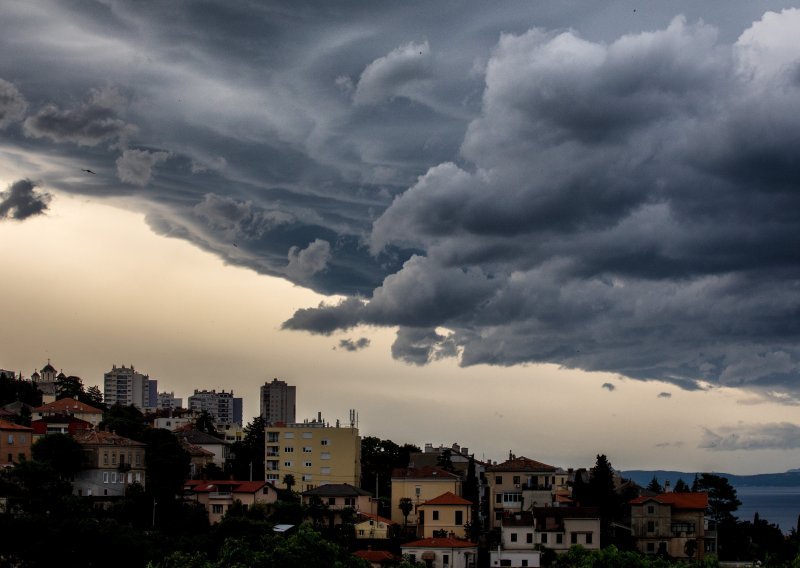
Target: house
[[112, 463], [517, 546], [59, 424], [15, 443], [373, 526], [340, 496], [220, 448], [671, 523], [376, 558], [218, 496], [314, 452], [420, 485], [444, 515], [559, 528], [199, 458], [442, 552], [69, 407], [520, 483]]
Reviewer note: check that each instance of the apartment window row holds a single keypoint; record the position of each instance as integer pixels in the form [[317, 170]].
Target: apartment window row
[[506, 498]]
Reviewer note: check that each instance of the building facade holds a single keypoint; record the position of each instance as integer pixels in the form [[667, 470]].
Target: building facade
[[420, 484], [218, 496], [112, 463], [442, 552], [126, 386], [15, 443], [314, 452], [445, 515], [167, 401], [671, 523], [278, 401], [222, 406]]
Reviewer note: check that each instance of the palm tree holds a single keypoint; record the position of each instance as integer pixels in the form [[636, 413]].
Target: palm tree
[[406, 506], [289, 481]]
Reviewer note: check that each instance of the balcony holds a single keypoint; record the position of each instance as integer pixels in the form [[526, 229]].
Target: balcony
[[221, 495]]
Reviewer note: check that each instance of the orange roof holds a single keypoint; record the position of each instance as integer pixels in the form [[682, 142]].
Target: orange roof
[[378, 518], [206, 486], [448, 498], [439, 543], [6, 425], [103, 438], [677, 500], [64, 405], [375, 555], [522, 464]]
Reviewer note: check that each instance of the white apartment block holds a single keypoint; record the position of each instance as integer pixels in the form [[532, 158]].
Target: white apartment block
[[222, 406], [167, 400], [126, 386], [278, 402]]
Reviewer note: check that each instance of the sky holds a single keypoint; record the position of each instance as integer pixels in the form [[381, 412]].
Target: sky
[[556, 229]]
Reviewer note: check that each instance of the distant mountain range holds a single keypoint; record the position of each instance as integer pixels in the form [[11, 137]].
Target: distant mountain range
[[789, 478]]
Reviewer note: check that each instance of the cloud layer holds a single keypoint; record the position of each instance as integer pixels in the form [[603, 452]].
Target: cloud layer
[[503, 185]]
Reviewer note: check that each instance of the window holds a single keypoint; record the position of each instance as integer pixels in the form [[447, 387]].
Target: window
[[529, 538], [22, 438], [417, 490], [524, 562], [105, 458], [324, 456], [325, 442], [588, 538], [459, 518], [446, 559], [516, 480], [513, 537], [272, 437], [361, 532], [436, 515], [498, 515], [325, 470], [350, 501], [651, 526], [113, 459], [559, 538], [505, 562], [498, 498], [287, 464], [306, 477], [216, 509], [573, 538], [307, 435], [105, 477], [138, 459], [544, 538], [307, 464], [498, 479], [331, 500], [138, 477], [11, 439], [306, 449], [288, 435], [272, 477], [651, 509], [113, 477], [651, 547], [288, 449], [512, 497]]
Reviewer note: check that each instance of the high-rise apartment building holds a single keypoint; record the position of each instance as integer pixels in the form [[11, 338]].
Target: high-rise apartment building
[[222, 406], [314, 452], [125, 385], [167, 400], [278, 402]]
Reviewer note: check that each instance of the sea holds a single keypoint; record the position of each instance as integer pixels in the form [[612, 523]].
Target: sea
[[776, 505]]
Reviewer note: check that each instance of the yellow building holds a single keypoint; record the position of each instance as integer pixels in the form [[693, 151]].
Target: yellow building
[[444, 516], [420, 485], [314, 453]]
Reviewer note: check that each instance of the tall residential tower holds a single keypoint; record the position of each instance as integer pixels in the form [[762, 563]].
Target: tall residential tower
[[278, 402]]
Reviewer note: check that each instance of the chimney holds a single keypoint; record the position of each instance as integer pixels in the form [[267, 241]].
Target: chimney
[[667, 488]]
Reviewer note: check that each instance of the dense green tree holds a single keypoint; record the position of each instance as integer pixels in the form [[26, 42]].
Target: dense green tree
[[61, 452], [601, 493], [167, 463], [289, 481], [127, 421], [655, 486], [378, 459], [445, 460], [406, 505], [248, 455], [681, 487], [722, 500], [205, 423], [93, 397], [12, 390], [69, 387]]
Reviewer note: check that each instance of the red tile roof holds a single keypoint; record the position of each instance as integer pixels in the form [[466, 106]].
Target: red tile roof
[[375, 555], [6, 425], [213, 486], [376, 518], [448, 498], [103, 438], [677, 500], [65, 405], [439, 543], [522, 464], [427, 472]]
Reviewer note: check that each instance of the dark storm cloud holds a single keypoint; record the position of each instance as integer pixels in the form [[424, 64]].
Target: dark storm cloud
[[12, 104], [21, 201], [547, 183], [776, 436], [609, 387], [665, 395], [354, 345]]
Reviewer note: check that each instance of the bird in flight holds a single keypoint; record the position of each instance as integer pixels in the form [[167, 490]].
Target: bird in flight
[[89, 171]]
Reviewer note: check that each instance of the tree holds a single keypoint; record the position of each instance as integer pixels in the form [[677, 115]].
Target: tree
[[289, 481], [406, 505], [655, 486], [681, 487], [69, 387], [61, 452], [205, 423], [601, 493], [93, 397], [167, 464], [248, 455], [722, 500], [127, 421], [445, 460]]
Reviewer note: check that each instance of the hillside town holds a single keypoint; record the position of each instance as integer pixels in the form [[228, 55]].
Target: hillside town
[[203, 484]]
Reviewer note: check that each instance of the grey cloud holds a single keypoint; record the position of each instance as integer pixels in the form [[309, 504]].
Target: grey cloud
[[419, 346], [236, 219], [395, 74], [609, 387], [665, 395], [21, 201], [136, 166], [306, 262], [603, 227], [12, 104], [89, 124], [354, 345], [773, 436], [325, 319]]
